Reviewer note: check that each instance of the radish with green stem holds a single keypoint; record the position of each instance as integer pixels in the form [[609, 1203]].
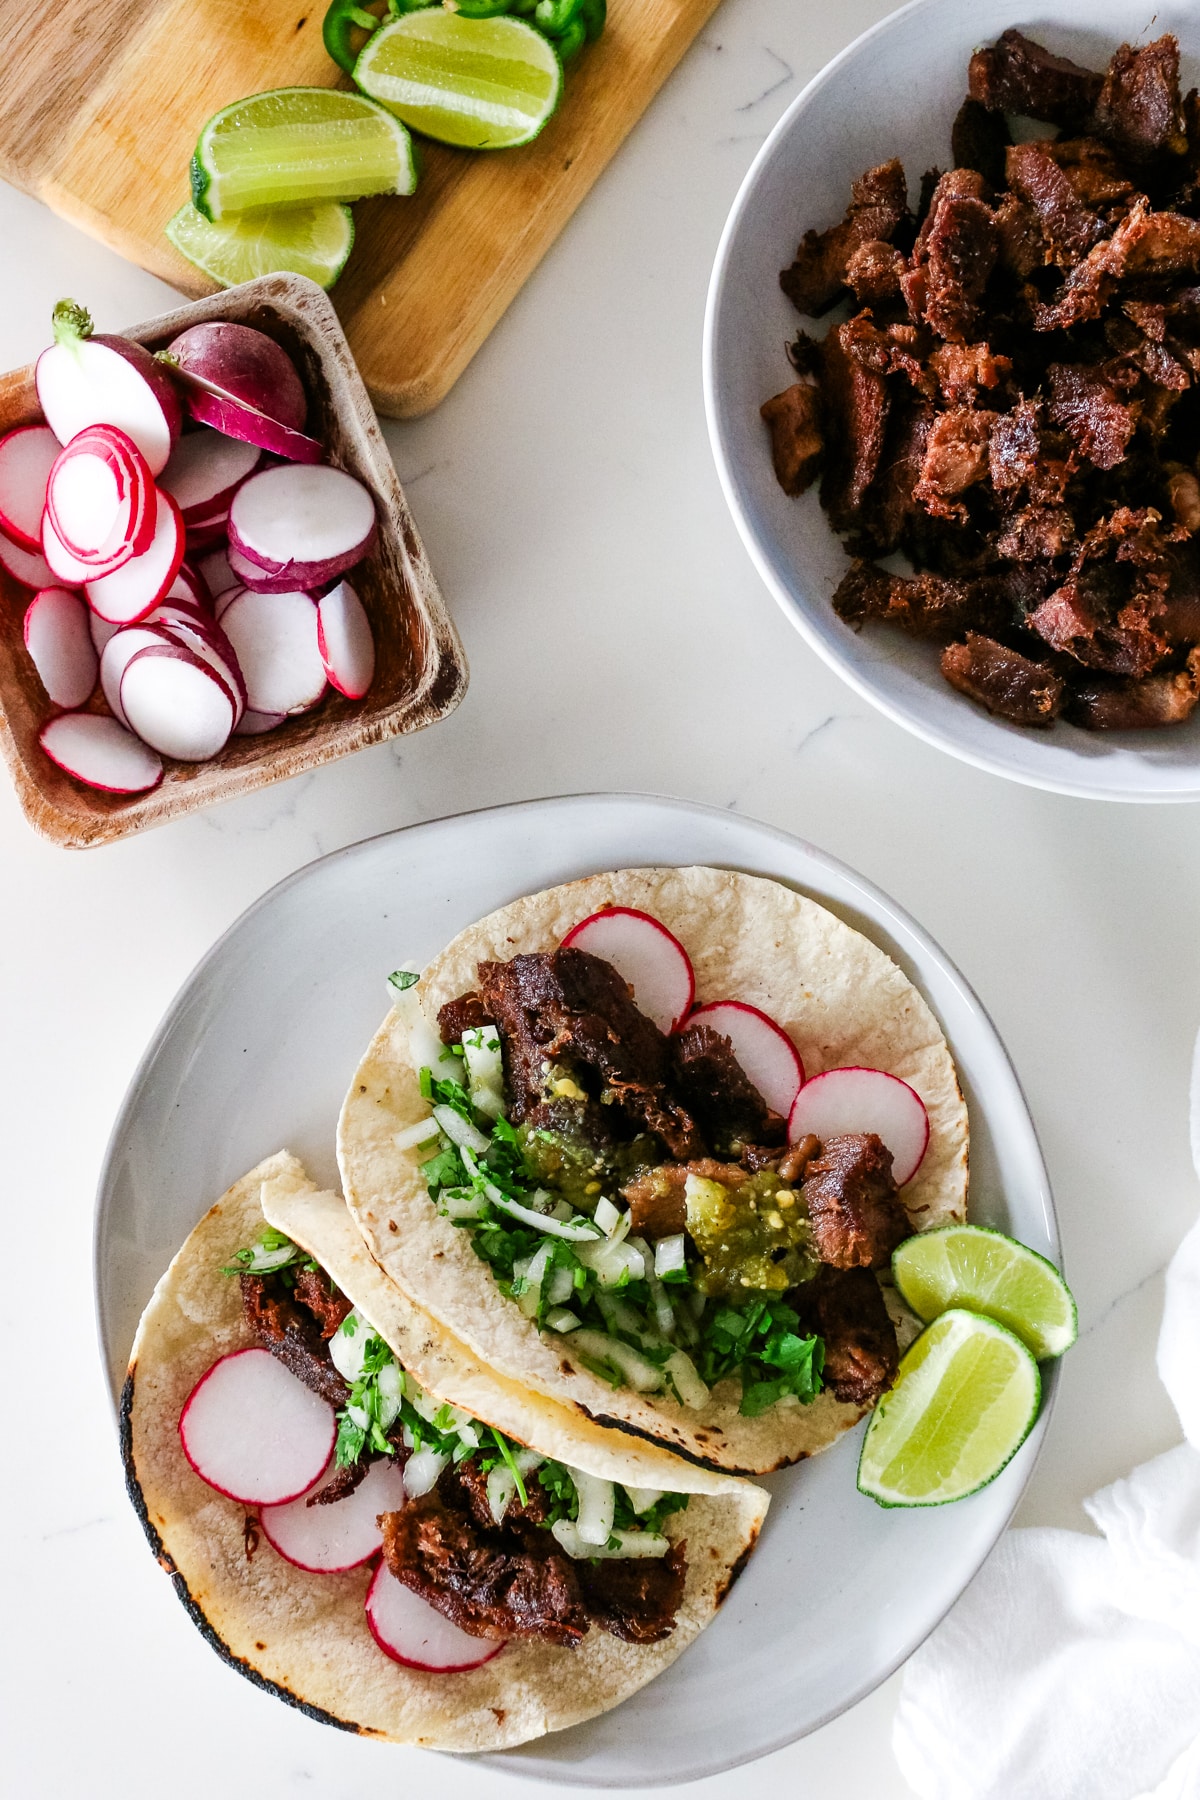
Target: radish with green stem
[[88, 379]]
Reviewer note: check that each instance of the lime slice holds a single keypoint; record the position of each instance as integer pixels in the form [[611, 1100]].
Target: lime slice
[[485, 84], [966, 1265], [964, 1401], [295, 145], [301, 240]]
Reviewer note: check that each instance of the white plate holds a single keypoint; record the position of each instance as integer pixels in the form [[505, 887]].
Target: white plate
[[254, 1055], [894, 92]]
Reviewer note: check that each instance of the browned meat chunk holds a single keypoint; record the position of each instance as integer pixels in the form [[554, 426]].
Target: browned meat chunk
[[1092, 171], [953, 258], [1003, 680], [964, 371], [845, 1308], [314, 1290], [1014, 447], [1145, 244], [856, 403], [1069, 229], [291, 1333], [1015, 75], [467, 1013], [1134, 705], [724, 1100], [1139, 111], [817, 278], [637, 1598], [931, 606], [874, 273], [956, 457], [856, 1216], [1083, 619], [657, 1203], [463, 1488], [794, 418], [486, 1582], [1092, 413], [342, 1483], [978, 140], [891, 502], [1037, 532]]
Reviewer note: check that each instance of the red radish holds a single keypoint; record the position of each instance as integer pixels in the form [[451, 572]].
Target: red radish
[[26, 566], [69, 569], [341, 1535], [87, 380], [254, 724], [236, 420], [309, 524], [225, 600], [101, 753], [209, 643], [117, 655], [178, 703], [853, 1100], [136, 589], [26, 459], [215, 572], [100, 499], [243, 365], [646, 955], [411, 1632], [765, 1052], [274, 638], [60, 644], [204, 470], [248, 574], [101, 630], [189, 584], [345, 642], [252, 1430]]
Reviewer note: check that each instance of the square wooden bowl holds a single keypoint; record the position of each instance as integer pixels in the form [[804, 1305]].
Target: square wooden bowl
[[420, 674]]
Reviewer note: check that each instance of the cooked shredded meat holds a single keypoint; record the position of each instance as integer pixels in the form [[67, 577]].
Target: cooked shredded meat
[[857, 1219], [657, 1203], [635, 1598], [467, 1013], [796, 442], [729, 1107], [1003, 680], [292, 1333], [847, 1310], [878, 207]]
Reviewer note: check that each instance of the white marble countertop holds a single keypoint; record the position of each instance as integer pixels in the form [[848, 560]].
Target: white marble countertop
[[618, 639]]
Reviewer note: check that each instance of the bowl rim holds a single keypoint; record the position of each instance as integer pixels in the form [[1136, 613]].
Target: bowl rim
[[795, 609]]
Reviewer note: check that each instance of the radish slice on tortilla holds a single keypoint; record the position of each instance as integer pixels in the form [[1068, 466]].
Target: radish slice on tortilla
[[274, 638], [853, 1100], [342, 1534], [646, 955], [178, 703], [101, 753], [410, 1631], [28, 567], [100, 499], [205, 468], [252, 1430], [136, 589], [345, 641], [254, 724], [243, 365], [60, 645], [26, 459], [307, 523], [117, 655], [765, 1052], [84, 379]]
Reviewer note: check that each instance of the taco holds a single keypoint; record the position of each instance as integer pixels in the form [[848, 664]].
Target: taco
[[554, 1148], [460, 1579]]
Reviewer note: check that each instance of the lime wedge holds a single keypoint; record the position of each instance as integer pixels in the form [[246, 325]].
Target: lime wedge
[[295, 145], [966, 1265], [485, 84], [301, 240], [963, 1403]]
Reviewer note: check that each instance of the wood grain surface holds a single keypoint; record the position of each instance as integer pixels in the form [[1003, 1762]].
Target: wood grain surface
[[102, 105]]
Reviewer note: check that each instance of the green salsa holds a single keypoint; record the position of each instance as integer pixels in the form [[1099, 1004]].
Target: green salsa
[[754, 1238]]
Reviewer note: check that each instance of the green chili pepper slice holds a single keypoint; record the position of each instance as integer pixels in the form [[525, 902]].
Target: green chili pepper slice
[[554, 17], [572, 40], [594, 14], [341, 19], [482, 9]]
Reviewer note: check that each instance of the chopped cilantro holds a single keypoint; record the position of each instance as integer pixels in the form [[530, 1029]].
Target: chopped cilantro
[[400, 980]]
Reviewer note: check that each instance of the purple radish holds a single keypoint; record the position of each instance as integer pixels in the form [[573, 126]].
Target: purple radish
[[216, 574], [136, 589], [237, 420], [765, 1052], [178, 702], [411, 1632], [341, 1535], [306, 524], [204, 470], [345, 641], [87, 380], [100, 499], [274, 638], [60, 646], [243, 365], [101, 630], [252, 1430], [117, 655], [101, 753], [864, 1100], [646, 955], [255, 724], [249, 575], [26, 566], [26, 459]]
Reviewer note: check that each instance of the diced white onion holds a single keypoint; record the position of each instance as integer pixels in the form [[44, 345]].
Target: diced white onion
[[460, 1131], [669, 1257], [423, 1132], [561, 1318], [425, 1046], [501, 1489], [421, 1472], [574, 1228], [642, 1499], [562, 1209], [688, 1385], [528, 1460], [638, 1373], [562, 1285], [390, 1382], [360, 1416], [348, 1346], [265, 1262], [606, 1215], [597, 1506], [485, 1070], [454, 1204], [623, 1543], [613, 1264]]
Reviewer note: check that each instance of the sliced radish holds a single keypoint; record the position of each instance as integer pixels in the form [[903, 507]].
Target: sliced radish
[[225, 600], [26, 459], [215, 572], [306, 523], [28, 567], [87, 380], [412, 1632], [867, 1100], [60, 644], [766, 1053], [100, 499], [190, 585], [252, 1430], [205, 468], [274, 638], [101, 629], [646, 955], [345, 641], [254, 724], [243, 365], [137, 588], [117, 655], [249, 575], [101, 753], [178, 703], [209, 643], [237, 420], [342, 1535]]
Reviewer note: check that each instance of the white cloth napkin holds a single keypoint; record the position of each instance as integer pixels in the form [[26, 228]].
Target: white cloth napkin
[[1070, 1668]]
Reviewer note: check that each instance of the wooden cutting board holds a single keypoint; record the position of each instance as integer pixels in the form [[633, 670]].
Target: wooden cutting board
[[102, 105]]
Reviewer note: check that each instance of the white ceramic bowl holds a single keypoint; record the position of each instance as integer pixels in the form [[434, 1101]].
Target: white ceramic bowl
[[894, 92]]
